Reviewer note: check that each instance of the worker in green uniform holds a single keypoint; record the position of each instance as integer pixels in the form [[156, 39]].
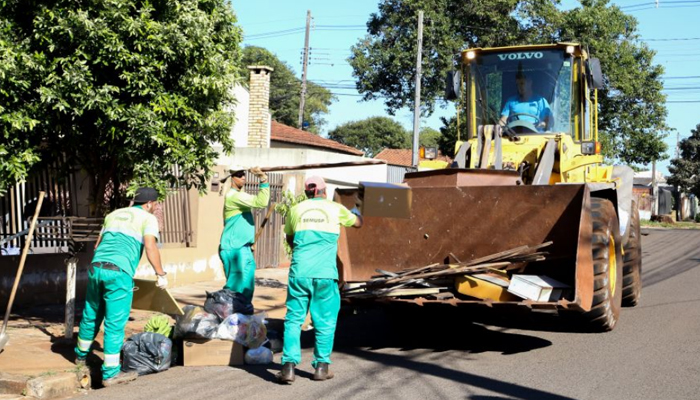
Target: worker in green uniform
[[312, 228], [239, 230], [125, 233]]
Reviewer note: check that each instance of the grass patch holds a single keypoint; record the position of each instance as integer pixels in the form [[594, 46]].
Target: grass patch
[[677, 225]]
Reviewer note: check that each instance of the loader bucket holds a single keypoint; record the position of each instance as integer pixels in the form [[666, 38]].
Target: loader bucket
[[471, 214]]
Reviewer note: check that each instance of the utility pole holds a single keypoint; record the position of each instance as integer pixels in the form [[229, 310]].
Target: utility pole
[[654, 193], [416, 105], [302, 100], [679, 197]]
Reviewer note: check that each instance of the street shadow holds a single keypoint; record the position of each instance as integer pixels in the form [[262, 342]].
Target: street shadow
[[424, 328], [671, 270], [269, 372], [513, 391]]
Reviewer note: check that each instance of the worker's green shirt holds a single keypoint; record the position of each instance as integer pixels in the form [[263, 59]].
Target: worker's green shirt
[[315, 224], [239, 227], [122, 237]]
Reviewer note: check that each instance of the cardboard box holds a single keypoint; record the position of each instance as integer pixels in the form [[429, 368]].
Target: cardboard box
[[385, 200], [201, 352], [487, 286], [149, 297], [537, 288]]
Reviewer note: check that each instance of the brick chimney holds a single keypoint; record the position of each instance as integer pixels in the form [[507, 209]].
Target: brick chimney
[[259, 109]]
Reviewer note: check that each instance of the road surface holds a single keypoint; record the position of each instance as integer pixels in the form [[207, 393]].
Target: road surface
[[654, 352]]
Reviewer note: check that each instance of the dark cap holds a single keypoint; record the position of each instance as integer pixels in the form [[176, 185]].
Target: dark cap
[[145, 194]]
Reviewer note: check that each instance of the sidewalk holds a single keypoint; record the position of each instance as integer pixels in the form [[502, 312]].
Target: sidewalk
[[37, 345]]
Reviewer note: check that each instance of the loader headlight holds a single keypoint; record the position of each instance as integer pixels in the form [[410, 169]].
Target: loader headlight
[[590, 148], [471, 55]]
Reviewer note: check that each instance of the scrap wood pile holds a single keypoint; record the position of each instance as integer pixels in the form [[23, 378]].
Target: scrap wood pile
[[436, 278]]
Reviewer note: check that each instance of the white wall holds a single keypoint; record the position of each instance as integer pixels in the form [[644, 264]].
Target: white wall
[[239, 132], [351, 176]]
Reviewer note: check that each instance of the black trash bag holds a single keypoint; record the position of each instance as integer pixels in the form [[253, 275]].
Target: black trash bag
[[225, 302], [146, 353]]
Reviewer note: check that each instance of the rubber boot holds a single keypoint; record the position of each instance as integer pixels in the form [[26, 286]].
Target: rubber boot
[[322, 372], [121, 377], [286, 375]]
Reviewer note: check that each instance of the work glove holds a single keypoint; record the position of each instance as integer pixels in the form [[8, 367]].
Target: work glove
[[162, 281], [258, 172], [358, 202]]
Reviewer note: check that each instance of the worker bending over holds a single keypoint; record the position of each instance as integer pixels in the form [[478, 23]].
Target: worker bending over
[[312, 228], [125, 233], [239, 231]]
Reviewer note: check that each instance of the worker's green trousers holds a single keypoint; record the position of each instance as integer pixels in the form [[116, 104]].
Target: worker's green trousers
[[109, 295], [322, 298], [239, 266]]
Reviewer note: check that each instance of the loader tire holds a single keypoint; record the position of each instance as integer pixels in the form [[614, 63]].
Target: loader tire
[[607, 267], [632, 267]]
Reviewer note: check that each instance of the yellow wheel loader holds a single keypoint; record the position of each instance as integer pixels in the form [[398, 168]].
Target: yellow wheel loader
[[528, 171]]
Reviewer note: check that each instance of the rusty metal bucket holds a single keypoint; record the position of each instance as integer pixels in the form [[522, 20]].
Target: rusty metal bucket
[[471, 214]]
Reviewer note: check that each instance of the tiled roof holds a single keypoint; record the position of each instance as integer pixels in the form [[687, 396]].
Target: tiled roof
[[287, 134], [403, 157]]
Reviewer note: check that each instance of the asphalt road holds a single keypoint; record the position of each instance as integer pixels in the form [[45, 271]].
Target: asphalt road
[[654, 352]]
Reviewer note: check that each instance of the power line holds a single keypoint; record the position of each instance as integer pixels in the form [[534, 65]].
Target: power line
[[670, 39], [666, 4]]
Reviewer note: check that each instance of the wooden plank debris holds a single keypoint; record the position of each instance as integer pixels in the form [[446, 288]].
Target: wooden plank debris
[[434, 280]]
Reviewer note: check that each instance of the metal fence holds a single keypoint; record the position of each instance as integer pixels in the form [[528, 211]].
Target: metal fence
[[269, 243], [175, 218], [19, 203], [395, 173]]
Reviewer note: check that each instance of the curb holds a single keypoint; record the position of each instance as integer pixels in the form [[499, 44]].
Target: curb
[[47, 386]]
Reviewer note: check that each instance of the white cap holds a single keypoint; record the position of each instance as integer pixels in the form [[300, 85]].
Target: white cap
[[236, 167]]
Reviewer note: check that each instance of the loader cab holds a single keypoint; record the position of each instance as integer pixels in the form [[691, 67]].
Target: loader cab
[[528, 90]]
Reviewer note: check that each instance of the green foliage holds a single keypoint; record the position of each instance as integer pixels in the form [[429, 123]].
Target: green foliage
[[282, 208], [632, 105], [632, 109], [371, 135], [448, 137], [285, 91], [429, 137], [133, 92], [685, 171]]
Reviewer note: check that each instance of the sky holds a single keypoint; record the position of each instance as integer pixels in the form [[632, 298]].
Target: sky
[[278, 25]]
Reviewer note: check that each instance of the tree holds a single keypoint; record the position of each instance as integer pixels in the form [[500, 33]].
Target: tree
[[632, 105], [429, 137], [632, 109], [685, 171], [371, 135], [135, 93], [285, 91]]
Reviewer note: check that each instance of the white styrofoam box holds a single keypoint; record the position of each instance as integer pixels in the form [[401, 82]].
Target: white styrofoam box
[[537, 288]]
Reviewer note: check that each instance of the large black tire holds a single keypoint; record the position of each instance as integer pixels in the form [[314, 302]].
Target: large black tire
[[606, 244], [632, 268]]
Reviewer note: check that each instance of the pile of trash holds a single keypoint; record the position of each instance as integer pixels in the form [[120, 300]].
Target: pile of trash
[[227, 315]]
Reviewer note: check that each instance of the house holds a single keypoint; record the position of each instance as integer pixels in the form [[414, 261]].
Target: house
[[191, 223], [400, 161], [269, 143]]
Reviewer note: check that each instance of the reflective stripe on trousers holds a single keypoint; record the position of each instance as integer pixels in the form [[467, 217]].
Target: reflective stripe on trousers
[[322, 298]]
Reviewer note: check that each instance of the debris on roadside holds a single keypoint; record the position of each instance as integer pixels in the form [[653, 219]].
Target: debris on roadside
[[485, 278], [222, 332], [147, 353]]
